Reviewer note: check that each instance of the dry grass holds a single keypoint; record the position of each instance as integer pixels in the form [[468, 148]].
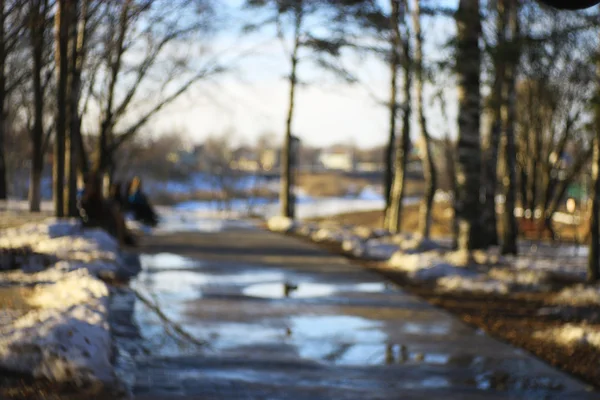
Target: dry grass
[[441, 226], [335, 184], [329, 184], [442, 222]]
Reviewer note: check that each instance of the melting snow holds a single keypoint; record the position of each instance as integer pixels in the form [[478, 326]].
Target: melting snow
[[571, 334], [65, 336]]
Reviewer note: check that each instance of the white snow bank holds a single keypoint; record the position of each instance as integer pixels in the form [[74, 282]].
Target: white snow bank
[[373, 249], [281, 224], [481, 284], [332, 234], [579, 295], [571, 334], [65, 239], [306, 229], [67, 337], [558, 264], [428, 265]]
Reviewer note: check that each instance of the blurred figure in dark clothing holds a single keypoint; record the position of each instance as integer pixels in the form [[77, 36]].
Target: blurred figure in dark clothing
[[95, 211], [139, 205], [115, 194]]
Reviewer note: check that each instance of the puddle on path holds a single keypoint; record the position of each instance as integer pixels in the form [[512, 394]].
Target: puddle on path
[[279, 290], [174, 281], [167, 261], [188, 222], [433, 328], [301, 330]]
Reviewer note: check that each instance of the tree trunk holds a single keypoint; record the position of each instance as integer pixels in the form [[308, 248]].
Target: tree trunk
[[428, 165], [509, 222], [35, 196], [72, 139], [450, 163], [394, 215], [393, 106], [490, 165], [3, 171], [286, 198], [37, 32], [533, 161], [103, 157], [62, 66], [79, 53], [593, 273], [468, 168]]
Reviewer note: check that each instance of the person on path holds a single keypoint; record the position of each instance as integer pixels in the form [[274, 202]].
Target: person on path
[[140, 206], [95, 211]]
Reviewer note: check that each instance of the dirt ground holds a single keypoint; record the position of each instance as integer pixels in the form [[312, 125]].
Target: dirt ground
[[442, 222], [511, 318]]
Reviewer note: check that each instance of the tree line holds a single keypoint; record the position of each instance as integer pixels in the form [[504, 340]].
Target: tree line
[[527, 88], [525, 77]]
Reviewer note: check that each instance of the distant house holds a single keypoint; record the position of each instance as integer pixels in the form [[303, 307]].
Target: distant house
[[269, 159], [245, 159], [338, 159]]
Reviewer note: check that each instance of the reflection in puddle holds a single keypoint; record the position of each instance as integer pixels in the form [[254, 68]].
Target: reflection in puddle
[[167, 261], [183, 283], [437, 328], [232, 334], [435, 382], [188, 222], [279, 290], [337, 327]]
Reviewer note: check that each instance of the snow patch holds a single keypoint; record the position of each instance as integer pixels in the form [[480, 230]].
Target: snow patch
[[571, 334], [65, 339], [426, 266], [480, 283], [579, 295], [281, 224]]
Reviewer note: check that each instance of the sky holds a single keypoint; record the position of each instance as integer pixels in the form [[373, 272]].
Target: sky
[[252, 98]]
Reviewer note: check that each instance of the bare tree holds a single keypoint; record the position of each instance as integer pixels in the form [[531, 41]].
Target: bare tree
[[509, 223], [468, 65], [299, 17], [393, 216], [11, 28], [39, 27], [155, 33], [395, 49], [492, 140], [427, 159], [62, 19], [593, 273]]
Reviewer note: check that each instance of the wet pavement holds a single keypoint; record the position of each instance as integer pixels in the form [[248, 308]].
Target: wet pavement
[[286, 320]]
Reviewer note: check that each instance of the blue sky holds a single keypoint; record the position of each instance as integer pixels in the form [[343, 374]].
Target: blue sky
[[253, 98]]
